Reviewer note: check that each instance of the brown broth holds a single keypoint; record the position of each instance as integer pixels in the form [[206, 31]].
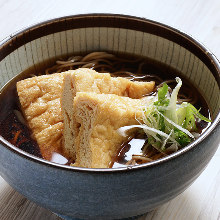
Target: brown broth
[[18, 133]]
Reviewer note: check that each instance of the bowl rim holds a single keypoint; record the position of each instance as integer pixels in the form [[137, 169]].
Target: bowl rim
[[213, 59]]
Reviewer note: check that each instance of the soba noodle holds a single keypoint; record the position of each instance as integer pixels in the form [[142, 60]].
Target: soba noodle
[[117, 66], [131, 68]]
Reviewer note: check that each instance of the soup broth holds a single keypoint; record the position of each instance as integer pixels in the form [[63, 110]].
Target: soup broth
[[14, 128]]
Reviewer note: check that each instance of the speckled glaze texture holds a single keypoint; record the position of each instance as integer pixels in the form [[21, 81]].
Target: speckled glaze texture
[[110, 193]]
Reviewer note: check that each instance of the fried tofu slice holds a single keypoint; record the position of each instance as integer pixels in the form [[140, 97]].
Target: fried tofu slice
[[98, 118], [40, 102], [83, 80]]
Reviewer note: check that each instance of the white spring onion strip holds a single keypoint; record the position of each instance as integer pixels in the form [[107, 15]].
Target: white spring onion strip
[[153, 135], [122, 131], [165, 141], [149, 132], [171, 108], [158, 148], [176, 125]]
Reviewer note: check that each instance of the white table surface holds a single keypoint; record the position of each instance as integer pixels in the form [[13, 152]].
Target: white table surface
[[200, 18]]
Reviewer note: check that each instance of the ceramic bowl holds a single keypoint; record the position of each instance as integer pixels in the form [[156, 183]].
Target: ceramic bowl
[[121, 192]]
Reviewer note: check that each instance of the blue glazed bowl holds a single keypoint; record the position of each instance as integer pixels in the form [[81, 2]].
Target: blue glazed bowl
[[120, 192]]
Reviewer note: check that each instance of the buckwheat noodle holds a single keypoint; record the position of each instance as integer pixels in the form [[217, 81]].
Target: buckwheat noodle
[[132, 69]]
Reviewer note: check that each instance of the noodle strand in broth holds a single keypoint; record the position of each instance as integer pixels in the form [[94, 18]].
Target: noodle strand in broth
[[134, 69]]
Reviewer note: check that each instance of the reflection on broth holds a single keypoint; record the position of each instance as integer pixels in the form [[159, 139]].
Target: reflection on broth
[[136, 149], [134, 146], [58, 158]]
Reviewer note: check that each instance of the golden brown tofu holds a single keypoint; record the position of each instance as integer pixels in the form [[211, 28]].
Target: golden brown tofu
[[98, 118], [84, 80], [40, 101]]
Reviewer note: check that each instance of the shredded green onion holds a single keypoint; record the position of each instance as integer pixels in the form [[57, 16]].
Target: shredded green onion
[[167, 124]]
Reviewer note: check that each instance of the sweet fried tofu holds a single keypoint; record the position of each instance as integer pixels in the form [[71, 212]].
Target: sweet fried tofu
[[98, 118], [84, 80], [40, 102]]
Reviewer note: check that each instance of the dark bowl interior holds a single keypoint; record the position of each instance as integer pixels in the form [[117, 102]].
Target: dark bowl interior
[[121, 192]]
